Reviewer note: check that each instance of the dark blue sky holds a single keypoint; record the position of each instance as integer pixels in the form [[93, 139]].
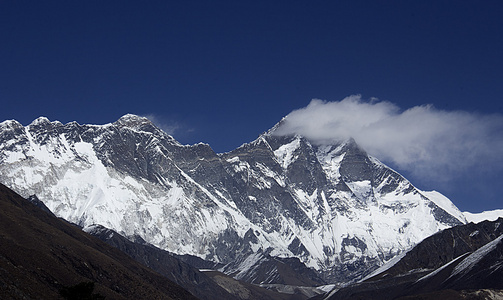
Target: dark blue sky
[[222, 72]]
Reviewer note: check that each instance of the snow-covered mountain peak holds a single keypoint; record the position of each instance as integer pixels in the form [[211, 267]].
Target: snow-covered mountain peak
[[351, 145], [274, 130], [40, 121], [136, 123], [43, 124], [10, 124], [131, 119], [332, 207]]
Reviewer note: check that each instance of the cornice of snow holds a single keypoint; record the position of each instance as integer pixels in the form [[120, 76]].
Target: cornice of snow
[[490, 215]]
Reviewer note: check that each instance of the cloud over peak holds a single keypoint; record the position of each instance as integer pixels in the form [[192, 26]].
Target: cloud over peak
[[422, 140]]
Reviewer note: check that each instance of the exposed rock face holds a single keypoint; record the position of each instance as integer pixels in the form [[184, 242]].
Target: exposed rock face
[[333, 207]]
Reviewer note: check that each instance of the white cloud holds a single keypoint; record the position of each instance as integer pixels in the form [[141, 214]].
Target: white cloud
[[422, 140], [168, 127]]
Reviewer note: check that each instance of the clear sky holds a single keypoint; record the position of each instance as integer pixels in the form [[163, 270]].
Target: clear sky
[[222, 72]]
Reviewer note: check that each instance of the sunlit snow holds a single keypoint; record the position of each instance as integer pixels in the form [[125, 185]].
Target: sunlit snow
[[174, 211]]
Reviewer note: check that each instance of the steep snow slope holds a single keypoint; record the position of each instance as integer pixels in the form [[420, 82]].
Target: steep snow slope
[[340, 211]]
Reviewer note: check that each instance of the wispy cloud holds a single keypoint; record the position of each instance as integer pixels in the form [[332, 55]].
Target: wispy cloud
[[422, 140], [170, 127]]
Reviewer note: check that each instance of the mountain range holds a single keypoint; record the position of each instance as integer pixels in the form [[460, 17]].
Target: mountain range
[[43, 256], [330, 212]]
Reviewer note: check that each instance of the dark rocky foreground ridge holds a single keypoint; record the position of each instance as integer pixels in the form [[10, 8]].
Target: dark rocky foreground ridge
[[205, 285], [463, 262], [41, 255], [164, 263]]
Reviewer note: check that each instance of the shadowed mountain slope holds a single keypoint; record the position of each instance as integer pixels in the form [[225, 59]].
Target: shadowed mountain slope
[[198, 283], [208, 284]]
